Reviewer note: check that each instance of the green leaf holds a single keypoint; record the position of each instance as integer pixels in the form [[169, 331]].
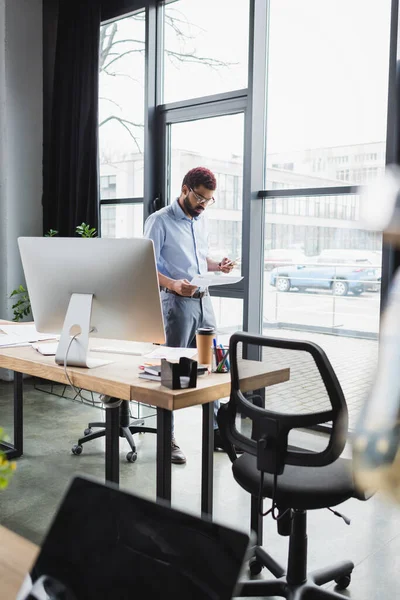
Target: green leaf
[[51, 233], [84, 230], [22, 307]]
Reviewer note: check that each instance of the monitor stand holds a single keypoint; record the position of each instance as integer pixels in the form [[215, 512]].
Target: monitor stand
[[77, 320]]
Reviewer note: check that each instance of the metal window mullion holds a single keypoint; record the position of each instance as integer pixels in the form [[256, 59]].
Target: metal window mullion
[[150, 141], [227, 293], [203, 100], [214, 109], [391, 257], [322, 191], [254, 169], [121, 201]]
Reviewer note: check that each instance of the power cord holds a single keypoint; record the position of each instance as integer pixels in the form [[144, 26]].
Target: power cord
[[77, 391], [338, 514], [277, 516]]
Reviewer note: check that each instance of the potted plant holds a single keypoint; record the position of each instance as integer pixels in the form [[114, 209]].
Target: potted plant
[[22, 305]]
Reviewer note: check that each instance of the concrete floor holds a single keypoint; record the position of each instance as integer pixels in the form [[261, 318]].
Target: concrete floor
[[52, 425]]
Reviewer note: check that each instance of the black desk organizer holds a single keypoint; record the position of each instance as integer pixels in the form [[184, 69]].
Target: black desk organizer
[[172, 372]]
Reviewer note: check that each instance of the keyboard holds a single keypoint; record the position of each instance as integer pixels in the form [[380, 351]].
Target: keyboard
[[50, 349], [114, 350]]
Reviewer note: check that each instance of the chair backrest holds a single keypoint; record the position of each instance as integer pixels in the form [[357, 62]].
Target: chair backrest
[[313, 390]]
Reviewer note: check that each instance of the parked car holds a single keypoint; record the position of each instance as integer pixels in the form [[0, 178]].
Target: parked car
[[362, 258], [340, 279]]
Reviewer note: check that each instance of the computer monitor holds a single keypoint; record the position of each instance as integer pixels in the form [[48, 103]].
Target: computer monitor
[[107, 288], [108, 543]]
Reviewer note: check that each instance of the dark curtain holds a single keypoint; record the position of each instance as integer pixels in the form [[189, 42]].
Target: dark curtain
[[71, 187]]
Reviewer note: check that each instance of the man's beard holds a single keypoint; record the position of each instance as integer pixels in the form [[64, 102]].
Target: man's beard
[[189, 208]]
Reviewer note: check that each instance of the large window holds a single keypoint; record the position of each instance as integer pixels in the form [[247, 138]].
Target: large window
[[205, 48], [286, 101], [121, 220], [326, 122], [121, 107], [327, 92]]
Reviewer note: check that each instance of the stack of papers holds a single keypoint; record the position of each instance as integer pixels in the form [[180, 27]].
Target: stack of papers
[[22, 335], [151, 372], [171, 353]]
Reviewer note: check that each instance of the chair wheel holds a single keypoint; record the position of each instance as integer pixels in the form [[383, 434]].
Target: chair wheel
[[88, 431], [131, 457], [343, 581], [255, 566], [76, 449]]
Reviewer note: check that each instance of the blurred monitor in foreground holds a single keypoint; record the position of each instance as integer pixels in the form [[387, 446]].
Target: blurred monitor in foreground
[[107, 543]]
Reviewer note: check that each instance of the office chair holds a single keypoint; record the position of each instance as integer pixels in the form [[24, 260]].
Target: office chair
[[295, 479], [127, 429]]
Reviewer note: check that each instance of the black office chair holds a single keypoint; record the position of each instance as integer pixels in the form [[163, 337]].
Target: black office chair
[[296, 479], [127, 428]]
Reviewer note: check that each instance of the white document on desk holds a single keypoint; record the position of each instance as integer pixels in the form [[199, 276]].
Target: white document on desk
[[11, 335], [171, 353], [10, 342], [204, 281], [46, 349]]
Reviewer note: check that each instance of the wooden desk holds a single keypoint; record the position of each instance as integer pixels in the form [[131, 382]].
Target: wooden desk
[[16, 558], [120, 380]]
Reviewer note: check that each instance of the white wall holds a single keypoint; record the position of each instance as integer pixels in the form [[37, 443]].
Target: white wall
[[21, 136]]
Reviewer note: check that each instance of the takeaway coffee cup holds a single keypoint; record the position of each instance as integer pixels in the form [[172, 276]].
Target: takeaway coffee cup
[[204, 340]]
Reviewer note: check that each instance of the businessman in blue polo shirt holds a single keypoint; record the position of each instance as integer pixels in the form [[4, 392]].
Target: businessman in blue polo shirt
[[181, 248]]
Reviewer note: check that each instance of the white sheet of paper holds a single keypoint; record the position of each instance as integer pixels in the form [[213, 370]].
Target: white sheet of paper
[[25, 333], [204, 281], [171, 353], [6, 343], [46, 349]]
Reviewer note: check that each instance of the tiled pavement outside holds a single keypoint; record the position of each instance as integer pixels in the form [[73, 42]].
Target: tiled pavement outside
[[353, 359]]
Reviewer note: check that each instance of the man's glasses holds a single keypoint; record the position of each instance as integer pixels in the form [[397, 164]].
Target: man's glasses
[[201, 200]]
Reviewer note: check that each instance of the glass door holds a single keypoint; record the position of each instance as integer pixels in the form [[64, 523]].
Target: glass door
[[216, 143]]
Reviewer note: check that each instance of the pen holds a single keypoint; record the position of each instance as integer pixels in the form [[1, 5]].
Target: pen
[[215, 351], [223, 361], [227, 363]]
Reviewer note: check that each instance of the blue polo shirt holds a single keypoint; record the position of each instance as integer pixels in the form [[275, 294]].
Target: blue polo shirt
[[180, 243]]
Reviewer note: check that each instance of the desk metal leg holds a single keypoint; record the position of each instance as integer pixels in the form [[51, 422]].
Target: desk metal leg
[[112, 440], [16, 449], [207, 460], [18, 413], [164, 434]]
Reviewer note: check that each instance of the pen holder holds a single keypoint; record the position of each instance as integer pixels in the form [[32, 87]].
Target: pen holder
[[181, 375], [220, 362]]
